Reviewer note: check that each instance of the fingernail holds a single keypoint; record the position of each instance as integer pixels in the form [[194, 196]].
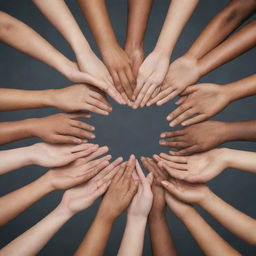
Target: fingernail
[[184, 123], [168, 118], [93, 136], [162, 142], [77, 141], [164, 182], [172, 124], [162, 135]]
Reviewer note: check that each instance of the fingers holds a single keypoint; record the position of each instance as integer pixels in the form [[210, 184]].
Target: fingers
[[140, 173], [82, 125], [173, 144], [181, 100], [194, 120], [79, 133], [95, 163], [126, 84], [148, 94], [178, 111], [171, 96], [141, 94], [99, 103], [177, 159], [63, 139], [170, 187], [187, 151], [139, 85], [120, 173], [83, 147], [79, 115], [172, 134], [126, 178], [188, 113], [99, 152], [83, 153], [150, 178]]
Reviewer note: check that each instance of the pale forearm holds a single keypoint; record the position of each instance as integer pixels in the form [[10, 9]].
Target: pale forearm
[[17, 201], [15, 158], [241, 89], [221, 26], [240, 42], [37, 236], [207, 239], [161, 240], [58, 13], [238, 223], [23, 38], [96, 14], [133, 238], [95, 241], [138, 14], [178, 15]]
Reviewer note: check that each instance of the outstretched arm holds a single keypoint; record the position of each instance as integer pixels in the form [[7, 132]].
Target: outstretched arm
[[138, 14], [114, 57], [153, 70], [116, 200], [228, 19]]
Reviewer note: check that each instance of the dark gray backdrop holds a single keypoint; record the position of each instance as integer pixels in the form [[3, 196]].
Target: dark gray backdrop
[[125, 131]]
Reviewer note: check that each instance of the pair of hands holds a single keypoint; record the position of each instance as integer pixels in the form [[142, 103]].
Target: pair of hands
[[129, 189]]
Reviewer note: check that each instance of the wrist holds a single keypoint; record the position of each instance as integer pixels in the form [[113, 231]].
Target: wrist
[[31, 154], [156, 215], [136, 220], [45, 183], [48, 181], [30, 127], [105, 215], [162, 51], [133, 46], [207, 198]]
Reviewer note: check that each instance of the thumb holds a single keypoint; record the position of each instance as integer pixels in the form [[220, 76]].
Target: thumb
[[170, 188]]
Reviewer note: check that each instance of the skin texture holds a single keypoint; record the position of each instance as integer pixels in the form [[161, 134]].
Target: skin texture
[[73, 98], [161, 245], [138, 14], [206, 100], [43, 154], [119, 195], [21, 37], [61, 178], [133, 238], [58, 128], [154, 68], [207, 53], [205, 166], [207, 239], [207, 135], [74, 200], [238, 223], [115, 58], [59, 15]]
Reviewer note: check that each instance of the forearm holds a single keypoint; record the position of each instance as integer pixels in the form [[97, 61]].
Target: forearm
[[133, 238], [15, 158], [17, 201], [17, 130], [23, 38], [238, 223], [37, 236], [161, 240], [235, 45], [96, 14], [208, 240], [12, 99], [238, 159], [95, 241], [239, 131], [221, 26], [178, 15], [241, 89], [138, 14], [58, 13]]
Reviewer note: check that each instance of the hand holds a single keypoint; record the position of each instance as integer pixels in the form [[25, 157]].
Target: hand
[[136, 56], [195, 138], [158, 205], [151, 75], [120, 192], [76, 173], [80, 97], [179, 208], [72, 72], [182, 72], [81, 197], [184, 191], [62, 128], [119, 66], [142, 201], [195, 168], [49, 155], [202, 100]]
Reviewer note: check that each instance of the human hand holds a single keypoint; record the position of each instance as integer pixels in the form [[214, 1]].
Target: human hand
[[187, 192], [202, 100], [158, 205], [76, 173], [72, 72], [81, 197], [195, 138], [136, 56], [120, 192], [80, 97], [182, 72], [151, 75], [200, 167], [142, 201], [50, 155], [63, 128], [120, 68]]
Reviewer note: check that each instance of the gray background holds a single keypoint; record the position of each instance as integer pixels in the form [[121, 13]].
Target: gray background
[[125, 131]]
